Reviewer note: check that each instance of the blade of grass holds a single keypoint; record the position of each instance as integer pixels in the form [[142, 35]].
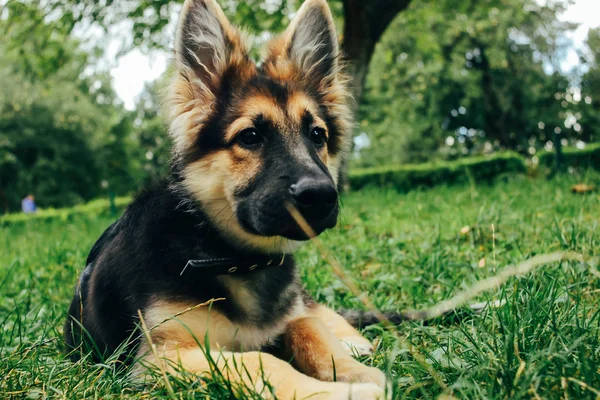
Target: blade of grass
[[340, 273], [159, 363]]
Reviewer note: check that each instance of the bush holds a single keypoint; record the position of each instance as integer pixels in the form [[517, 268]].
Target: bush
[[98, 207], [572, 157], [401, 177], [407, 177]]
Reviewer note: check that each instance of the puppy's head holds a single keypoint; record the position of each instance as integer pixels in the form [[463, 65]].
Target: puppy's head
[[251, 138]]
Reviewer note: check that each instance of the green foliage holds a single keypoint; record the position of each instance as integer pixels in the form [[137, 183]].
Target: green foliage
[[97, 208], [49, 126], [402, 178], [471, 73], [34, 40], [149, 129], [573, 157], [64, 136], [588, 110], [402, 250], [152, 20], [411, 176], [48, 137]]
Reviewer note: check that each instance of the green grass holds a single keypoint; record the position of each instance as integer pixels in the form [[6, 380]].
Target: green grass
[[405, 251]]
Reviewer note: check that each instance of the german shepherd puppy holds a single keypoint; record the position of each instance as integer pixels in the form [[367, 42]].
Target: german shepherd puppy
[[247, 140]]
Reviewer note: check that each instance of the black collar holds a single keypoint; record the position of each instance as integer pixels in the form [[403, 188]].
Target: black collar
[[234, 265]]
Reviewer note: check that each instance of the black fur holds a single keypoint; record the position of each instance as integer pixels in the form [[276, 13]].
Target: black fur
[[140, 257], [261, 204]]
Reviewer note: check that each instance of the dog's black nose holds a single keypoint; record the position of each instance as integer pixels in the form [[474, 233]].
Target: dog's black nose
[[314, 197]]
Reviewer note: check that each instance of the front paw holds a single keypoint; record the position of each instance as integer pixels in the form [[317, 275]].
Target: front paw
[[341, 391], [369, 391], [360, 374], [357, 346], [358, 391]]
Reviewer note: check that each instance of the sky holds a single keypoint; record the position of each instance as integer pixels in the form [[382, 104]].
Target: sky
[[132, 70], [587, 14]]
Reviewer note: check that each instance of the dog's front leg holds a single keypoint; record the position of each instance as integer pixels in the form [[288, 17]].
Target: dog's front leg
[[351, 339], [252, 370], [317, 352]]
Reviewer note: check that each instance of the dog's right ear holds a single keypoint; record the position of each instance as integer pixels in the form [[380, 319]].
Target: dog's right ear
[[206, 43]]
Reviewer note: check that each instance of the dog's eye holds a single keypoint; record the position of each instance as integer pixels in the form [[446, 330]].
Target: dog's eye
[[317, 136], [249, 138]]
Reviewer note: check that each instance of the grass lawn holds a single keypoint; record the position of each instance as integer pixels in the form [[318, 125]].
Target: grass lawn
[[404, 251]]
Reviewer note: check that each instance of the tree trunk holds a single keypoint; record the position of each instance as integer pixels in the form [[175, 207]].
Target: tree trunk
[[364, 23], [494, 117]]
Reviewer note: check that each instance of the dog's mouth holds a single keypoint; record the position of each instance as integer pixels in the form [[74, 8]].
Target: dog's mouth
[[284, 224]]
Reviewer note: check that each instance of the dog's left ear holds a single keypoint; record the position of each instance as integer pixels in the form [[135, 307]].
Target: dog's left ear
[[312, 40]]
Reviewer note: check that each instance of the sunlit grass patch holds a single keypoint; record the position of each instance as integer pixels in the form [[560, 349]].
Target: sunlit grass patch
[[405, 251]]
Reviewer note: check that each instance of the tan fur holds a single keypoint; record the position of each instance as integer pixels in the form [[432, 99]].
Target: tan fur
[[336, 96], [188, 109], [287, 117], [211, 180], [348, 336], [280, 67], [191, 99], [191, 102], [207, 49], [222, 333], [254, 369], [264, 105], [214, 178], [237, 126], [317, 352], [278, 64], [298, 103], [180, 343]]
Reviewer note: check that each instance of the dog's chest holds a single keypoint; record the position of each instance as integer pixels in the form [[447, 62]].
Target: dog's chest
[[254, 310], [184, 324]]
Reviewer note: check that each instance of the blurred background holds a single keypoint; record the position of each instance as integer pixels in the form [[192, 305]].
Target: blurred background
[[434, 81]]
